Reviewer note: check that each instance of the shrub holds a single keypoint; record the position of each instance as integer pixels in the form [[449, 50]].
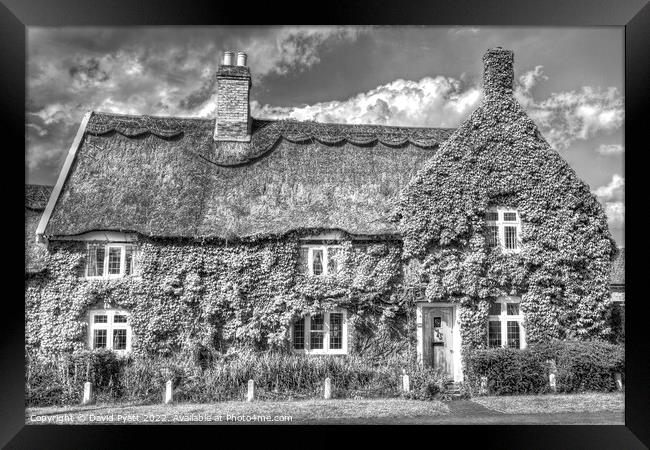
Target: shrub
[[284, 375], [580, 366], [509, 371], [277, 375], [584, 365], [426, 383], [59, 380]]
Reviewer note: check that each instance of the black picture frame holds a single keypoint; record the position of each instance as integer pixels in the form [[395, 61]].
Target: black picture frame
[[634, 15]]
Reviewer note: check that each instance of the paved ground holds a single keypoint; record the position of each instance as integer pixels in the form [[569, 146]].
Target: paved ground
[[465, 412], [381, 411]]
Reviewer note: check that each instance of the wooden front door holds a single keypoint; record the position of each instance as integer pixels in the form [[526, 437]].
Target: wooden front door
[[438, 338]]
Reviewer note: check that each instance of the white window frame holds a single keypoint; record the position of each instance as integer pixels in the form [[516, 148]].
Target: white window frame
[[107, 247], [501, 225], [109, 326], [326, 350], [504, 318], [325, 248]]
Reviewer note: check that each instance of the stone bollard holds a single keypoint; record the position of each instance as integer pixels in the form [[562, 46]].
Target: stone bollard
[[88, 393], [551, 382], [251, 391], [406, 383], [483, 390], [619, 381], [168, 395], [328, 389]]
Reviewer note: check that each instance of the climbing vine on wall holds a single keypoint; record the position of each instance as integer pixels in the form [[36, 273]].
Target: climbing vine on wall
[[497, 157], [215, 294]]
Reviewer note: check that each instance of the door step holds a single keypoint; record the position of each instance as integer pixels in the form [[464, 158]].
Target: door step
[[453, 389]]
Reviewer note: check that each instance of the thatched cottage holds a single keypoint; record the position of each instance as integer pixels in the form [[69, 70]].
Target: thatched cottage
[[168, 233]]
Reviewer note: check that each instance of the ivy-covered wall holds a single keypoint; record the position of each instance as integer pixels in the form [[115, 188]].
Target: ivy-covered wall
[[220, 295], [498, 157]]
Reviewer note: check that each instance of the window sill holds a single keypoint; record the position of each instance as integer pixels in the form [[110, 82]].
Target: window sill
[[120, 353], [111, 277], [320, 352]]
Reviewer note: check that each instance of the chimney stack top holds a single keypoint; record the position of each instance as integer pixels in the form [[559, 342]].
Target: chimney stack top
[[241, 58], [227, 58], [498, 71]]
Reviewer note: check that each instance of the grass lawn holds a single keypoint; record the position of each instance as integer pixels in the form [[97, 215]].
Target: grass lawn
[[552, 404], [239, 412]]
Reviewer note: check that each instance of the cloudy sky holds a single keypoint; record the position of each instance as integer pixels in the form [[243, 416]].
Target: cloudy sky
[[569, 79]]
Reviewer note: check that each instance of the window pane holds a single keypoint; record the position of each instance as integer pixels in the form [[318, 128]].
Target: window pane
[[317, 265], [114, 257], [492, 236], [492, 215], [119, 318], [510, 237], [100, 318], [299, 334], [119, 339], [128, 259], [316, 332], [513, 309], [303, 260], [95, 261], [510, 217], [99, 339], [336, 331], [513, 334], [494, 333], [333, 255], [495, 309]]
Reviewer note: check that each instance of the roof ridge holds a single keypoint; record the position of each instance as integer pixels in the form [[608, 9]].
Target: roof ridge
[[261, 119], [339, 124], [150, 116]]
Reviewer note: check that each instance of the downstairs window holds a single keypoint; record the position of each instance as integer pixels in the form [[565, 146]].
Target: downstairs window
[[505, 324], [109, 329], [321, 333]]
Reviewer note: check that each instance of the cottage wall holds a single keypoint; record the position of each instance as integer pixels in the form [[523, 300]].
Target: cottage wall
[[221, 296]]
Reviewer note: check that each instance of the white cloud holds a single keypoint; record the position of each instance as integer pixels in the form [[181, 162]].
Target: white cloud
[[565, 117], [612, 196], [291, 49], [463, 31], [439, 102], [527, 81], [615, 214], [614, 190], [610, 149]]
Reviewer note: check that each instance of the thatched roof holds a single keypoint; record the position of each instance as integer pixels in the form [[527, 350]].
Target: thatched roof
[[617, 274], [36, 196], [168, 177]]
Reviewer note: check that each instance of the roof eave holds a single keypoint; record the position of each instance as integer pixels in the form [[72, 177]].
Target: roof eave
[[63, 176]]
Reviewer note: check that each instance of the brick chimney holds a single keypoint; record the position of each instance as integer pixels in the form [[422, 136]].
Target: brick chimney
[[498, 72], [233, 91]]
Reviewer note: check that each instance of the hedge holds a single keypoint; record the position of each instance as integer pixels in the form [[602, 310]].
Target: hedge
[[277, 375], [579, 366], [585, 365]]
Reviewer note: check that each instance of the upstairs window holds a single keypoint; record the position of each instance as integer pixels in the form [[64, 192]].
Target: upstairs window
[[319, 260], [321, 333], [503, 229], [505, 324], [109, 260], [109, 329]]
